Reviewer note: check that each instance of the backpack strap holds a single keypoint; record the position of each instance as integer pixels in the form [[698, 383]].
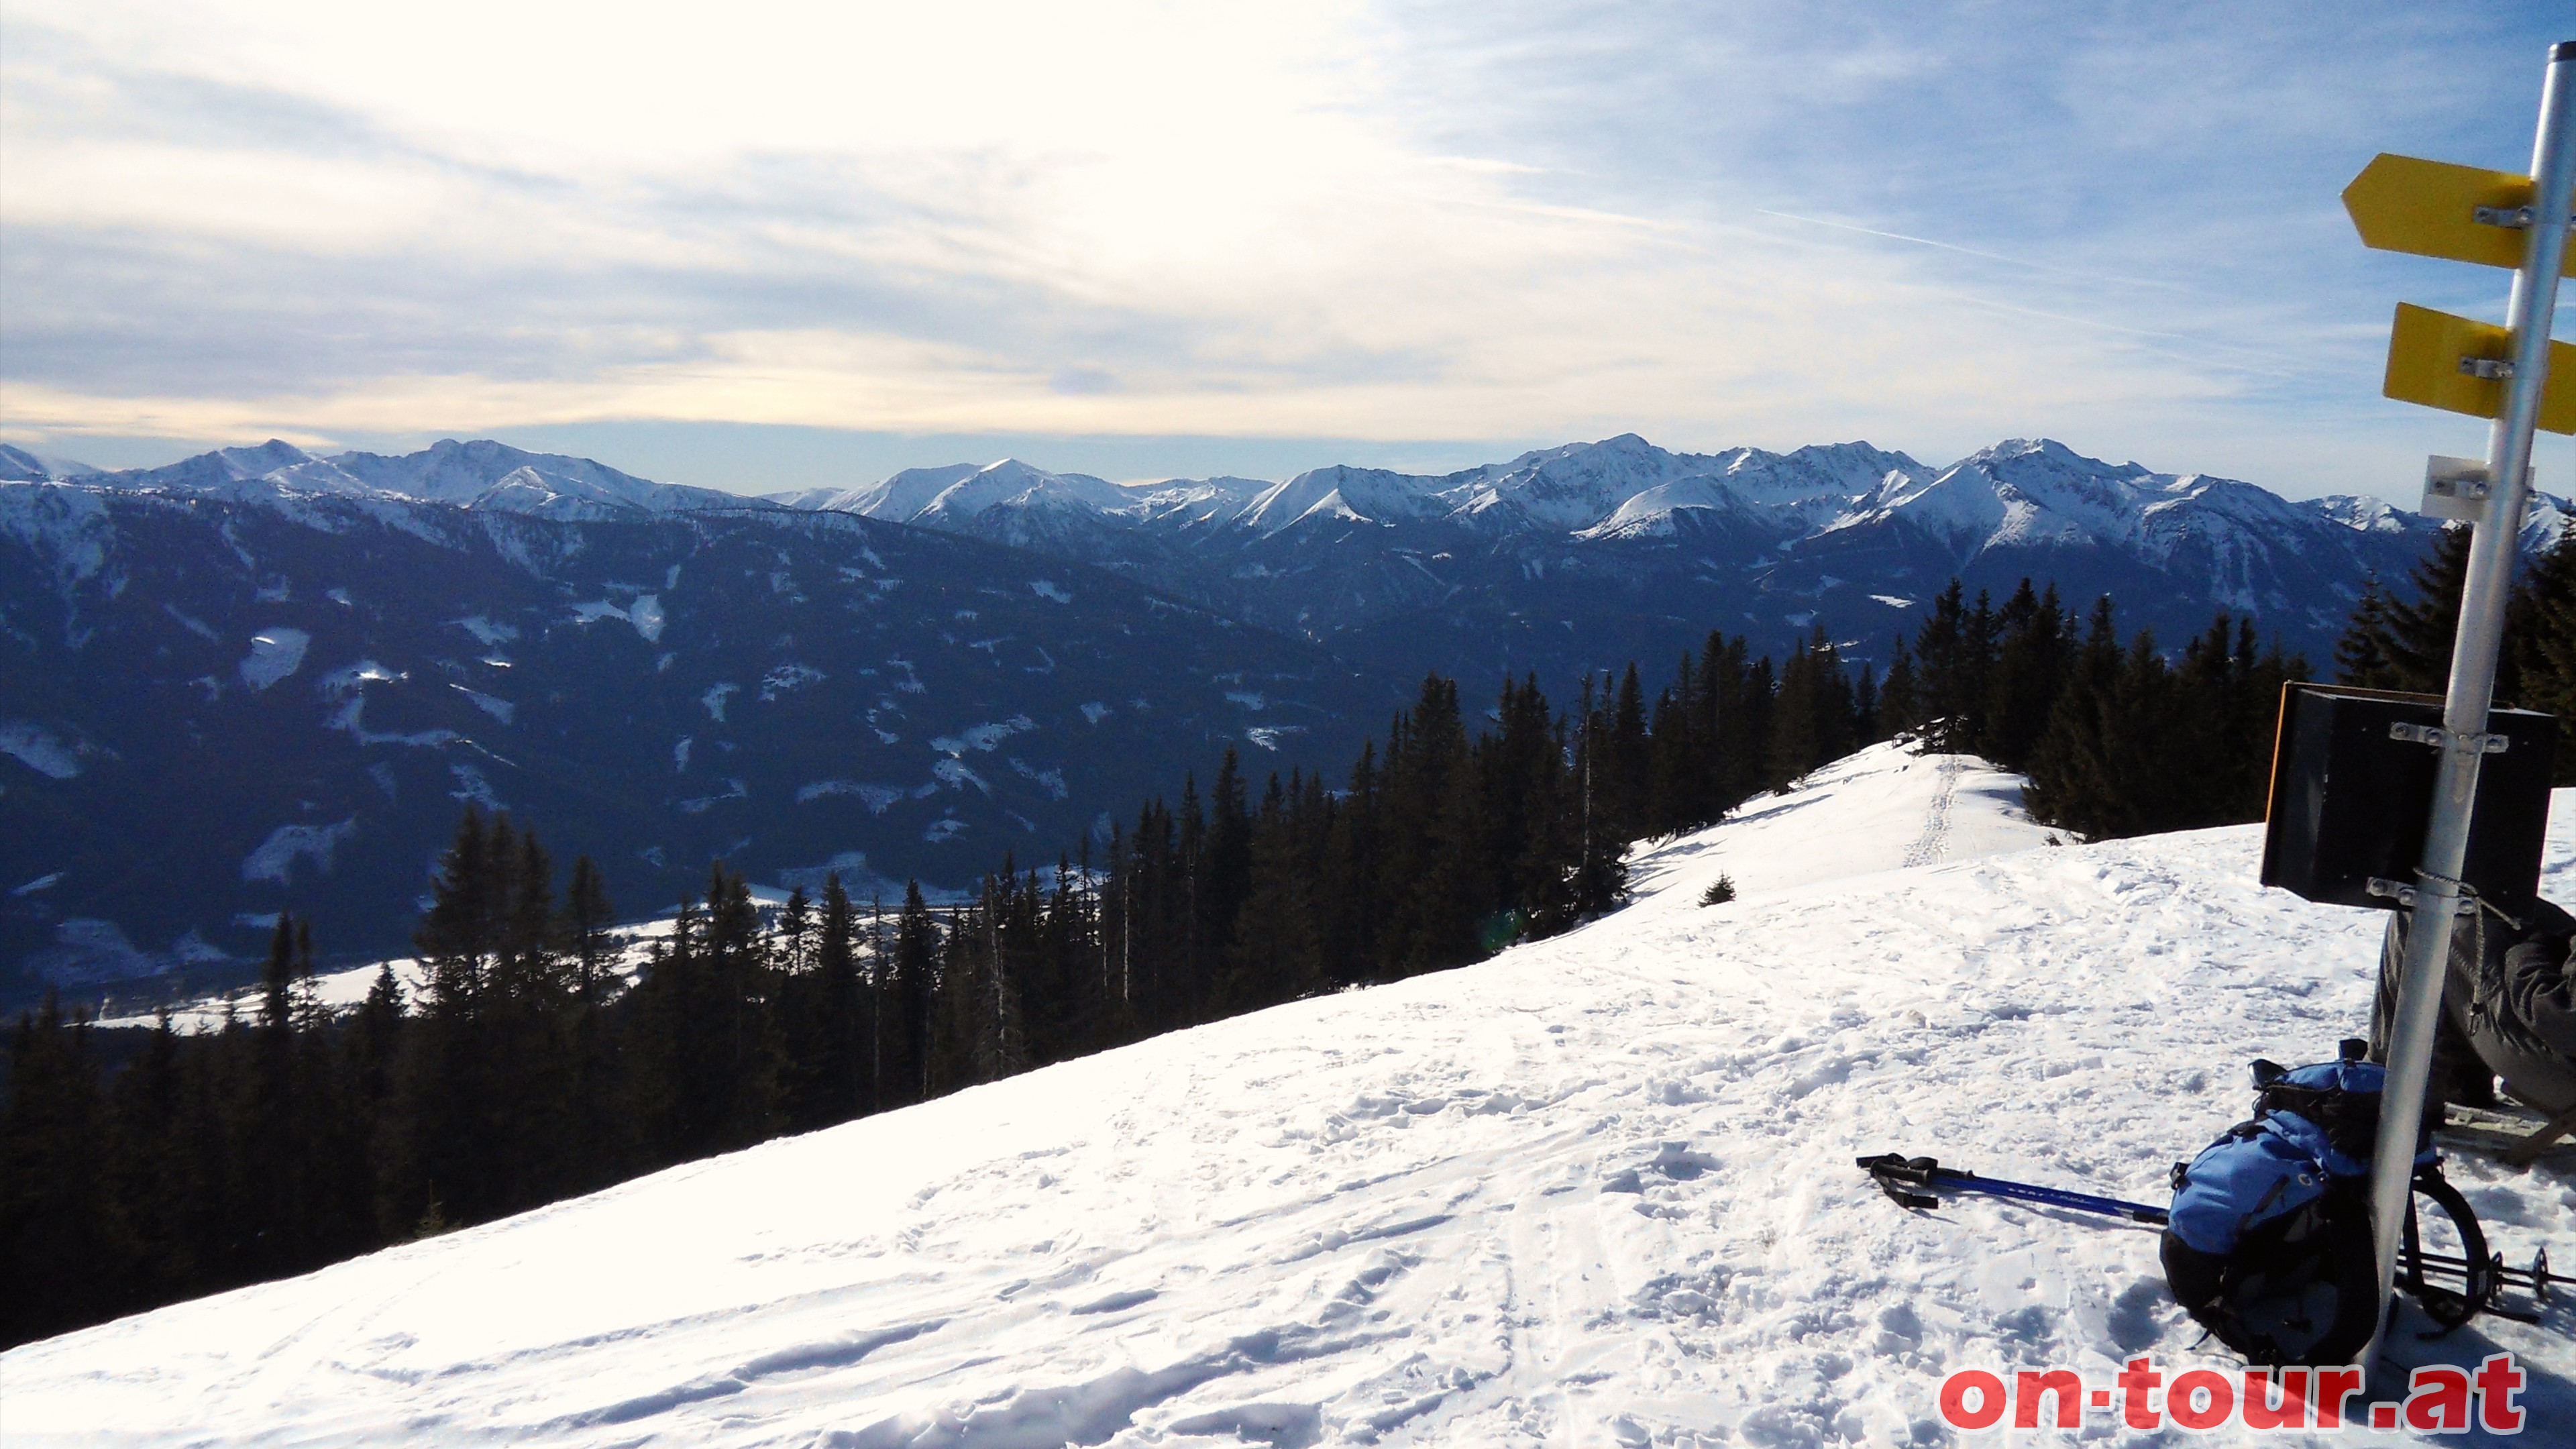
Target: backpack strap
[[2448, 1307]]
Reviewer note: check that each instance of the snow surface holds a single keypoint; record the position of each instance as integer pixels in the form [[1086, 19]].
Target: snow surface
[[274, 654], [275, 857], [36, 747], [1596, 1191]]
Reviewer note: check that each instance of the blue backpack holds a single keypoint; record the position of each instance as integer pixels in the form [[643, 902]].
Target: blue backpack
[[2269, 1243]]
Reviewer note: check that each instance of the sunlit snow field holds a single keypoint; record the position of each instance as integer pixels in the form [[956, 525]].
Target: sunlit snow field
[[1596, 1191]]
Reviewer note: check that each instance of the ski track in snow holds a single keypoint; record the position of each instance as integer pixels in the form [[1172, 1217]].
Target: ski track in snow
[[1936, 820], [1596, 1191]]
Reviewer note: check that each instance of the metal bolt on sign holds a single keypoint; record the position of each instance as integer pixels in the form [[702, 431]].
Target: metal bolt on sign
[[2461, 213]]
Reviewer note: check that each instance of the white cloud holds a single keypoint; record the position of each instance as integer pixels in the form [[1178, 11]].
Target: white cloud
[[1715, 225]]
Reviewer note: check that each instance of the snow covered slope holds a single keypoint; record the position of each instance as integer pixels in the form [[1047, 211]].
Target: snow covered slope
[[1877, 810], [1597, 1191]]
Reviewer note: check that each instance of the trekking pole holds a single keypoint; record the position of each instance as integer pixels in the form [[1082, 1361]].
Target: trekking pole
[[1898, 1175], [1911, 1182], [2534, 1280]]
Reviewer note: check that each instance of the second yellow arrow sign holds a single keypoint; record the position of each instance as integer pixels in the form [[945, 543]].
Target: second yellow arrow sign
[[2458, 364]]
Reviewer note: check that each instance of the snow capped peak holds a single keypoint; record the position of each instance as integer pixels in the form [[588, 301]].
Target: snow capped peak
[[1013, 483], [2545, 522], [478, 474], [1195, 502], [252, 462], [1371, 495], [1221, 486], [2038, 494], [2368, 515], [216, 471], [1576, 486], [22, 465], [2027, 491], [2038, 457], [1798, 491], [901, 496], [488, 474], [1853, 468]]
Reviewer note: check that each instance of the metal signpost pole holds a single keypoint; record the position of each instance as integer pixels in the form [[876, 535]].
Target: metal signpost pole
[[2438, 896]]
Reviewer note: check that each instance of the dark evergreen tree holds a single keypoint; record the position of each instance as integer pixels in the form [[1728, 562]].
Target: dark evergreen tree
[[587, 917], [821, 1004], [1626, 764], [2405, 644], [54, 1217], [2033, 645], [1276, 955], [1899, 712], [1811, 722], [1954, 657], [2543, 630], [912, 971], [1351, 900]]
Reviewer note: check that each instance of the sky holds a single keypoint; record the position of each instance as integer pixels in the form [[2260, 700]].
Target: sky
[[772, 245]]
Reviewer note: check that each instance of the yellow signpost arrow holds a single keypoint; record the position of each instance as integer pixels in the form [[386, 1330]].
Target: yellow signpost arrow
[[2436, 209], [2462, 365]]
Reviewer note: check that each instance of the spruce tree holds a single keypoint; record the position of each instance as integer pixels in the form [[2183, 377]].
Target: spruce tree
[[914, 966], [2032, 649], [1898, 711], [371, 1053], [586, 919], [1954, 656], [1349, 904], [1226, 870], [2405, 644], [794, 946], [153, 1183], [271, 1113], [1812, 721], [841, 1012], [1277, 953], [2073, 781], [1626, 760], [997, 1033], [2543, 630], [53, 1216]]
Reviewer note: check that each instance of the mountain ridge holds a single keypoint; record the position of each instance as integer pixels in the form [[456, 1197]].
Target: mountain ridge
[[1632, 549], [1577, 557]]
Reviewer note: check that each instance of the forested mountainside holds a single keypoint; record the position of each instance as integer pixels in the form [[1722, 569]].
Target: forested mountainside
[[220, 708]]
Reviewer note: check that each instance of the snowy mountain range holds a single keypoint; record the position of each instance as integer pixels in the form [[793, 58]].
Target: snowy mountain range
[[1596, 553], [1586, 555], [1598, 1191]]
